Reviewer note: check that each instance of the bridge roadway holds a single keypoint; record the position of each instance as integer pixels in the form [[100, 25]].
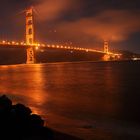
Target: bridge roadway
[[12, 44]]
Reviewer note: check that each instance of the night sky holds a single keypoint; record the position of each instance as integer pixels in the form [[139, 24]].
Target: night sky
[[84, 23]]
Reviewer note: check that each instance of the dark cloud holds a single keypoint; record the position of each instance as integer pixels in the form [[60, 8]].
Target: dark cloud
[[105, 26]]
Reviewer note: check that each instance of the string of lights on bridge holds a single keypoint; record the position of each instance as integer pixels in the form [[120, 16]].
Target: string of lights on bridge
[[39, 45]]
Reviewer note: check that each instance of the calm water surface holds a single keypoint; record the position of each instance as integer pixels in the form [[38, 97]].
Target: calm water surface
[[89, 100]]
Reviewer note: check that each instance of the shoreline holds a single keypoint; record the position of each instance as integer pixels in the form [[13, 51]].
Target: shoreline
[[69, 62], [63, 136]]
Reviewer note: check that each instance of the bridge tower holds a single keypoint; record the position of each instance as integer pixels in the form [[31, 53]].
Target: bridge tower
[[106, 46], [30, 36], [106, 56]]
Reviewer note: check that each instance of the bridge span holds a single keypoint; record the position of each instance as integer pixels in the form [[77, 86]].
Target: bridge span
[[31, 46]]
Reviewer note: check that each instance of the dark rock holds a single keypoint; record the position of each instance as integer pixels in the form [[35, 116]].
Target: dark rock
[[36, 120], [5, 103], [17, 122]]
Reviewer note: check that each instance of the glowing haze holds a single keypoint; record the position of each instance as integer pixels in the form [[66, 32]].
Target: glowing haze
[[52, 9]]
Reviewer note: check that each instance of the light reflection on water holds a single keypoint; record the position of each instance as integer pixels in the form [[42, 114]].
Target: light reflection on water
[[84, 99]]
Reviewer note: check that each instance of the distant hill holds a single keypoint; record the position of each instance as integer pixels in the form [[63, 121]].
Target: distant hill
[[128, 54]]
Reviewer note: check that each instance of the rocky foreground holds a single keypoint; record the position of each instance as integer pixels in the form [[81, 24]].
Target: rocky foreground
[[18, 123]]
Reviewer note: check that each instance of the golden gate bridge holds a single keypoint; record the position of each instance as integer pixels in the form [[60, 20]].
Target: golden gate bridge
[[31, 46]]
